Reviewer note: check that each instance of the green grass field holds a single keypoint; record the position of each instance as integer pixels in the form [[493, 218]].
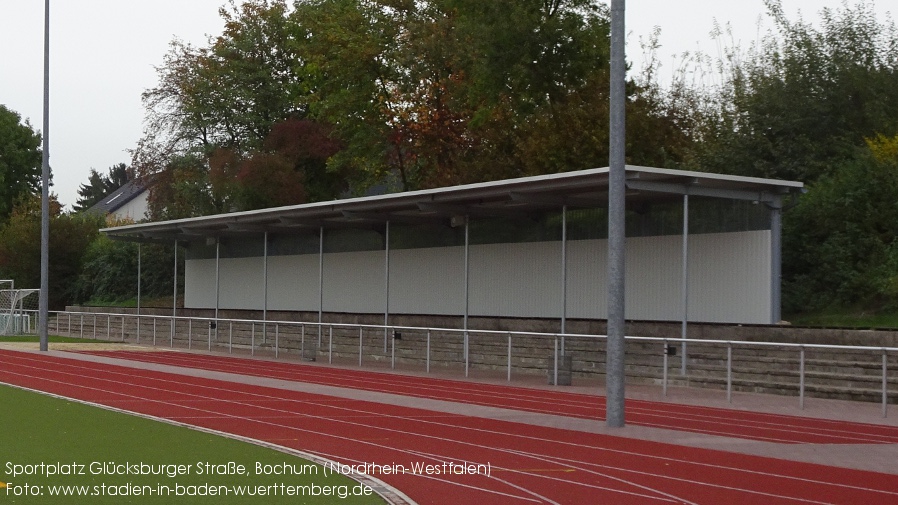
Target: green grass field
[[846, 318], [41, 435]]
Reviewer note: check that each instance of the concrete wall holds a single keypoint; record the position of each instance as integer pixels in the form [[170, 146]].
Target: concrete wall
[[729, 280]]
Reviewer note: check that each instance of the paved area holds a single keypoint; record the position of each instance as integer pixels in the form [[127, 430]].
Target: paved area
[[880, 458]]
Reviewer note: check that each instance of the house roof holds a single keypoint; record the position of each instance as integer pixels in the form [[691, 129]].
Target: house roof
[[118, 198], [584, 188]]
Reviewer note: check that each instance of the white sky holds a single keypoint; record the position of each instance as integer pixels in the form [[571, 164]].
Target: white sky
[[103, 54]]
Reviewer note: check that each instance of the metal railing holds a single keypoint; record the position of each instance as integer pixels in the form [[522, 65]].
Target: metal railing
[[151, 329]]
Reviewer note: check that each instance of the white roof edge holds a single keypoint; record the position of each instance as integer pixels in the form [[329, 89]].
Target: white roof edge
[[716, 176], [510, 183]]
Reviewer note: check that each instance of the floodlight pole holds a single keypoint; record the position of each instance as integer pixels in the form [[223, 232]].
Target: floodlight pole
[[617, 181], [139, 267], [44, 312]]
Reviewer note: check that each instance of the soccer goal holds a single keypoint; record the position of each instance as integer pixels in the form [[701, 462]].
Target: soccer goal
[[18, 309]]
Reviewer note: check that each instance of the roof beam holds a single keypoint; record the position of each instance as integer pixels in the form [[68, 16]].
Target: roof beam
[[689, 189], [554, 200]]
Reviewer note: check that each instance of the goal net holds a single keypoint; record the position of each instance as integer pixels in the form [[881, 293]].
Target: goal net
[[18, 309]]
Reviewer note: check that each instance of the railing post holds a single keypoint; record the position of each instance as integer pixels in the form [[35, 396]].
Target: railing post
[[801, 379], [123, 328], [81, 329], [466, 352], [108, 327], [230, 336], [277, 336], [393, 353], [209, 346], [360, 345], [729, 372], [428, 350], [664, 371], [138, 329], [252, 339], [885, 383], [555, 366], [190, 333], [509, 357], [95, 325], [154, 331], [302, 341], [330, 344]]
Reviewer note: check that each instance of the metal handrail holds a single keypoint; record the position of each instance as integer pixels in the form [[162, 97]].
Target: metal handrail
[[386, 329]]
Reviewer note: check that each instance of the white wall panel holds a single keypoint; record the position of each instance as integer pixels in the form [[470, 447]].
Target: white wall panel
[[427, 281], [516, 280], [729, 277], [199, 284], [587, 277], [354, 282], [241, 283], [654, 278], [293, 282]]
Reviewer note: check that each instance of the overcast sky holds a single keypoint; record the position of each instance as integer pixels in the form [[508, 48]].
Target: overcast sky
[[103, 54]]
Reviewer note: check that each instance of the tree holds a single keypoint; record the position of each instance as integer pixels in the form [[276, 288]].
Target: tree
[[20, 161], [20, 245], [841, 240], [99, 186], [805, 100], [426, 93], [446, 92], [230, 93]]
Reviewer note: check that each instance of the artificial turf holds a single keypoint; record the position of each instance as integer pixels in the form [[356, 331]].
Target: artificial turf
[[54, 436]]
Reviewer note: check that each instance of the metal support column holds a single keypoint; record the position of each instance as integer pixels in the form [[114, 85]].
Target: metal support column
[[386, 283], [217, 282], [563, 274], [265, 288], [138, 278], [174, 303], [776, 263], [320, 282], [467, 290], [685, 284], [617, 181]]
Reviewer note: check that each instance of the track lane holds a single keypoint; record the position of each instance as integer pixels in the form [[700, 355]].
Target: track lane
[[706, 420], [645, 474]]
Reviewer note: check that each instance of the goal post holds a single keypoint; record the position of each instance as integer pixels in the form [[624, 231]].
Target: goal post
[[18, 309]]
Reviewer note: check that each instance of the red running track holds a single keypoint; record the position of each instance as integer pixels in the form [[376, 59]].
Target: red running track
[[529, 464], [707, 420]]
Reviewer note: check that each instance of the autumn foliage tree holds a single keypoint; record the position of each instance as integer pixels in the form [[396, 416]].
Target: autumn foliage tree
[[333, 96]]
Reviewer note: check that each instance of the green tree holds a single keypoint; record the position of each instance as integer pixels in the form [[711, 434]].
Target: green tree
[[109, 271], [20, 246], [20, 161], [99, 186], [806, 98], [841, 241], [454, 91], [230, 93]]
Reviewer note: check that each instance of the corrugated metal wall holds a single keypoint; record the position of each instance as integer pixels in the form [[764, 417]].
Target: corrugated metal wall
[[729, 277]]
